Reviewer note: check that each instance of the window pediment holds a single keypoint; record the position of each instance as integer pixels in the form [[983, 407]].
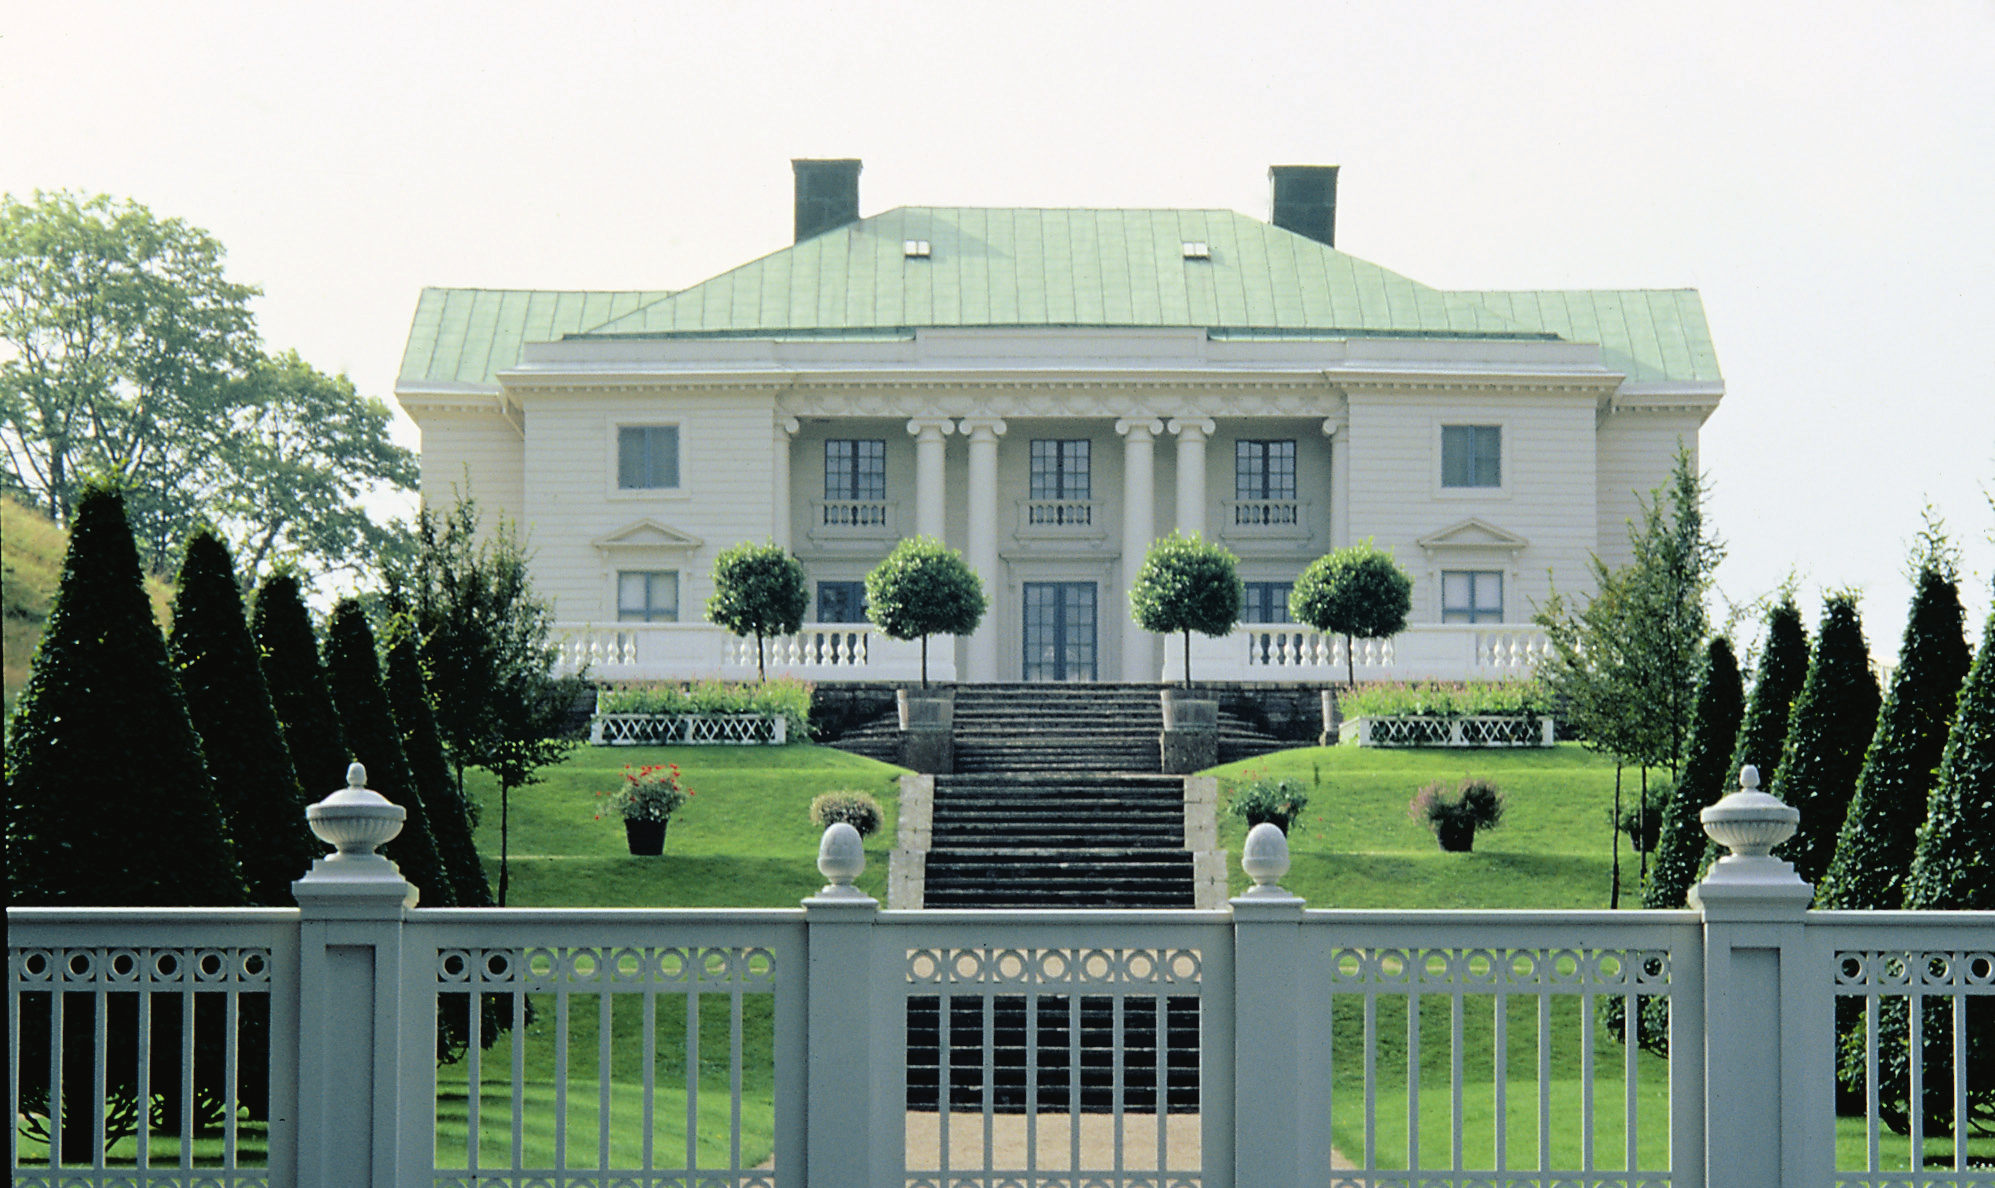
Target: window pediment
[[1473, 534], [650, 535]]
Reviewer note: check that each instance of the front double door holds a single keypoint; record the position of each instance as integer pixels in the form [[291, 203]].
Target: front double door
[[1059, 631]]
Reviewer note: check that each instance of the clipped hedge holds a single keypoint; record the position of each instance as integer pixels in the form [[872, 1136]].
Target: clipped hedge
[[781, 697]]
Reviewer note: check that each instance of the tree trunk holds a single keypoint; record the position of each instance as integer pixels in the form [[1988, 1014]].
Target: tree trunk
[[1350, 662], [505, 839], [761, 673], [1614, 896], [1642, 827], [924, 662], [1187, 657]]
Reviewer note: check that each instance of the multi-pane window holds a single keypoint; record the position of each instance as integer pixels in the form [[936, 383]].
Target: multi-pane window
[[647, 457], [1266, 602], [1471, 596], [648, 596], [841, 602], [1471, 456], [1264, 470], [855, 469], [1061, 484]]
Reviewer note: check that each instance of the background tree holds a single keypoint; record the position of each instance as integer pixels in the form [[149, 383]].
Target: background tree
[[1783, 668], [1358, 592], [1186, 585], [354, 672], [1674, 559], [109, 804], [299, 692], [758, 590], [1707, 763], [1880, 832], [924, 588], [1827, 732], [221, 680]]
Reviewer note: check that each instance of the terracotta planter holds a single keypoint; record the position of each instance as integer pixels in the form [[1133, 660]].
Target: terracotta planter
[[646, 838]]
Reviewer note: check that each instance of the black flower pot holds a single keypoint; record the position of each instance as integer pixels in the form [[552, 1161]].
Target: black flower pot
[[646, 838], [1456, 837]]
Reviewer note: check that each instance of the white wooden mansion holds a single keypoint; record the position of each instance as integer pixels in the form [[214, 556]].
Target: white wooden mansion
[[1049, 391]]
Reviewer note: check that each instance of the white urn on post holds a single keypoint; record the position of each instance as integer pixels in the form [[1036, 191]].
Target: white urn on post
[[355, 820], [1749, 824]]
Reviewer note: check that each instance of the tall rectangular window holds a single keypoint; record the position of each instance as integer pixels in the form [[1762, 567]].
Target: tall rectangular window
[[1264, 470], [648, 596], [855, 469], [1471, 456], [647, 457], [1266, 602], [1060, 470], [841, 602], [1471, 596]]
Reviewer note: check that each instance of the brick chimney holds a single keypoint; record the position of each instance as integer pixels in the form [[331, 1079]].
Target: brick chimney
[[827, 195], [1305, 201]]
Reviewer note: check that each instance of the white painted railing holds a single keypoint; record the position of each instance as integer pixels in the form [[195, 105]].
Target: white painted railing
[[1287, 652], [696, 651], [652, 730], [837, 1044]]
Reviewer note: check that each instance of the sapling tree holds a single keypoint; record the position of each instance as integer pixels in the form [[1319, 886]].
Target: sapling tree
[[1832, 721], [758, 590], [1186, 585], [1358, 592], [924, 588]]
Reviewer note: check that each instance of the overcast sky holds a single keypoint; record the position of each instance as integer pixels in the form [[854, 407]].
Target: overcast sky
[[1823, 172]]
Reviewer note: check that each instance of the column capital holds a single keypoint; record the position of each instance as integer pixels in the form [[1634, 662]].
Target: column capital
[[1332, 426], [788, 426], [1138, 428], [1192, 428], [982, 428], [931, 428]]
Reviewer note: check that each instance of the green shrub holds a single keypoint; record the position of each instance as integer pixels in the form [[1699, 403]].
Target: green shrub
[[857, 809], [1455, 817], [1431, 699], [1278, 802], [1643, 821]]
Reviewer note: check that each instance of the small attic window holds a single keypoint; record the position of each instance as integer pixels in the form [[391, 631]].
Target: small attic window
[[915, 249], [1197, 249]]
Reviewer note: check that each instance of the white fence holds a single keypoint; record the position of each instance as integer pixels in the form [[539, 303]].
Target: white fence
[[696, 651], [1290, 652], [840, 1045]]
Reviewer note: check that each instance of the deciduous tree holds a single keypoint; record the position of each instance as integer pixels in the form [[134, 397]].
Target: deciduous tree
[[1186, 584], [758, 590], [924, 588], [1358, 592]]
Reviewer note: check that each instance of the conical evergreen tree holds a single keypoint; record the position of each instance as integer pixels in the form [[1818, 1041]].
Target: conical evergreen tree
[[298, 689], [109, 801], [1831, 724], [449, 817], [222, 682], [1881, 830], [354, 672], [1720, 708], [1783, 666]]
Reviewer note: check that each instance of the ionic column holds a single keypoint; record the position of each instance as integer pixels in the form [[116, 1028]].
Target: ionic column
[[1191, 472], [1139, 528], [981, 655], [1338, 430], [779, 528], [931, 479]]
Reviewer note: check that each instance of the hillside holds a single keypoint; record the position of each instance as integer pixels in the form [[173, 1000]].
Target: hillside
[[31, 553]]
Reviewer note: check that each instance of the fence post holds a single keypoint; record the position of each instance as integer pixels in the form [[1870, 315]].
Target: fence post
[[350, 1018], [843, 1145], [1768, 1011], [1274, 1126]]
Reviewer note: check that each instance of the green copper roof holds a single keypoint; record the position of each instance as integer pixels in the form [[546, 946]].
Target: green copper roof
[[468, 336], [1028, 267], [1008, 267]]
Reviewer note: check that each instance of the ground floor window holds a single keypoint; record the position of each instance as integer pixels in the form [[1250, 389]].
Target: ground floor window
[[1471, 596], [1266, 602], [841, 602], [648, 596]]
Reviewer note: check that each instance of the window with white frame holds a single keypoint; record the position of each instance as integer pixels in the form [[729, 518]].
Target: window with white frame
[[855, 469], [1264, 482], [648, 596], [841, 602], [1061, 482], [647, 457], [1471, 456], [1471, 596], [1266, 602]]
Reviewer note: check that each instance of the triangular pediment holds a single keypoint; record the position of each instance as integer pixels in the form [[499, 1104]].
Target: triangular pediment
[[649, 534], [1473, 533]]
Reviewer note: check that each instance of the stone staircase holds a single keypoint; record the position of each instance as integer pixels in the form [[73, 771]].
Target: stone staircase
[[1038, 840]]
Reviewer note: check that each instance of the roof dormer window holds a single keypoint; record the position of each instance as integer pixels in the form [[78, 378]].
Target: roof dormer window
[[915, 249], [1197, 249]]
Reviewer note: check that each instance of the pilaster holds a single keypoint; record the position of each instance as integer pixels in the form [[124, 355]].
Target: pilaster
[[981, 654], [931, 478], [1192, 435]]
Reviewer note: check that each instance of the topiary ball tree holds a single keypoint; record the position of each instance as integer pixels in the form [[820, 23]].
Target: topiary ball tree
[[1707, 763], [221, 679], [298, 688], [924, 588], [1358, 592], [1186, 585], [1830, 726], [758, 590], [353, 670]]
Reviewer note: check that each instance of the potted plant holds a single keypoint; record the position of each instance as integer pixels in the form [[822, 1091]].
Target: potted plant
[[1278, 802], [1455, 816], [646, 801]]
